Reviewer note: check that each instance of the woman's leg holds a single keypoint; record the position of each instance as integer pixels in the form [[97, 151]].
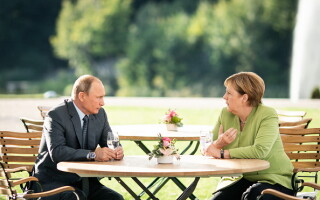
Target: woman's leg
[[255, 190], [234, 191]]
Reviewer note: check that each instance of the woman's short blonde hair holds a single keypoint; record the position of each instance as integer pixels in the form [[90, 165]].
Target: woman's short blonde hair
[[248, 83]]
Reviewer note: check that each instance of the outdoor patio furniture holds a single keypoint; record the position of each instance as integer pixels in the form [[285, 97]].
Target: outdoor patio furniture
[[8, 185], [302, 147], [301, 124], [19, 149], [289, 197], [290, 116], [32, 125], [43, 110]]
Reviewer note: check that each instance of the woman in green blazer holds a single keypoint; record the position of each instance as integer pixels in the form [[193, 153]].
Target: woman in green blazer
[[248, 129]]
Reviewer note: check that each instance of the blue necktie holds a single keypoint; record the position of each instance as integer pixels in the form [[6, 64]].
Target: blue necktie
[[85, 180], [85, 132]]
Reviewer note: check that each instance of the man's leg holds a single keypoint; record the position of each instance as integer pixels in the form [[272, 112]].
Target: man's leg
[[62, 196], [98, 191]]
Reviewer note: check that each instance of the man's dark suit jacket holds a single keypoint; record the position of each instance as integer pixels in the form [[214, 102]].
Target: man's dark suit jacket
[[62, 141]]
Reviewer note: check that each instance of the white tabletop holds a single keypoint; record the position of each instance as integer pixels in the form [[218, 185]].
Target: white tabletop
[[188, 166]]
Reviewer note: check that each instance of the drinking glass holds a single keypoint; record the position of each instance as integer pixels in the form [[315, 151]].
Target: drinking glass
[[205, 140], [112, 140]]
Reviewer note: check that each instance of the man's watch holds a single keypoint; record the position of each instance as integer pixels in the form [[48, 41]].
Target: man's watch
[[91, 156]]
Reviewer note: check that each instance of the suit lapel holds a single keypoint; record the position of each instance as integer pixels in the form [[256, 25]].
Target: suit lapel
[[75, 121]]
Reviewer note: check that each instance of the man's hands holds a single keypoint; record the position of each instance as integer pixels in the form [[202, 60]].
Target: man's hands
[[106, 154]]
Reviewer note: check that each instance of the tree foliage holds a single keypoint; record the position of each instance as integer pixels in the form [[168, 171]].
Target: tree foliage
[[25, 51], [91, 30], [174, 51], [153, 47]]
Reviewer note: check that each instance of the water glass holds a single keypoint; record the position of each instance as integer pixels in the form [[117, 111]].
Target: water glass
[[112, 140], [205, 140]]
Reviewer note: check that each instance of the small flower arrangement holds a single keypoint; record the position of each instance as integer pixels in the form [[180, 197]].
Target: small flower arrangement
[[165, 147], [172, 117]]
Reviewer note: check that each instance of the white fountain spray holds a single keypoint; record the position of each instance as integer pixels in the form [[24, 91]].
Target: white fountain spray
[[305, 67]]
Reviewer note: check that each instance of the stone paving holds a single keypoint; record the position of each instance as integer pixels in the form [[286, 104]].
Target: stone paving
[[13, 109]]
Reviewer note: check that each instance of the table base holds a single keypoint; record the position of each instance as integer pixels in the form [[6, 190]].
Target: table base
[[187, 192]]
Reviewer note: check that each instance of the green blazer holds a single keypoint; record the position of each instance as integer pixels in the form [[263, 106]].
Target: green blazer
[[260, 139]]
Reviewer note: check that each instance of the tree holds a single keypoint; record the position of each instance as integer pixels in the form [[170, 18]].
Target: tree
[[88, 31], [174, 51], [25, 51]]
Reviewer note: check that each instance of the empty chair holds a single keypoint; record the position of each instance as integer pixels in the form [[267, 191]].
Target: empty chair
[[43, 110], [19, 149], [32, 124], [303, 123], [302, 147], [7, 186]]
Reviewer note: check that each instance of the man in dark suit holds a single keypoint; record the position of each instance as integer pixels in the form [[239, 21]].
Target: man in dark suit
[[66, 137]]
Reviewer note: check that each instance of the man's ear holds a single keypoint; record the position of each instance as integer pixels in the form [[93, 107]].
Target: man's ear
[[81, 96]]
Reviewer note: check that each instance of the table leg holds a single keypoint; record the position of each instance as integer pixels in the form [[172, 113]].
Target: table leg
[[188, 192], [151, 195], [133, 194], [175, 180], [183, 188], [143, 147], [188, 147], [159, 181]]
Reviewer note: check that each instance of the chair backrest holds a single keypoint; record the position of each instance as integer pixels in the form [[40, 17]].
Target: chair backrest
[[301, 124], [19, 149], [302, 147], [32, 125], [43, 110], [6, 186]]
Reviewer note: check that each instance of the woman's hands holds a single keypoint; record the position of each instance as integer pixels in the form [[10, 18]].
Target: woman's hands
[[223, 140], [226, 137]]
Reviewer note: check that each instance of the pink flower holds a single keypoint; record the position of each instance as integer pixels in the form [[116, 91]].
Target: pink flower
[[167, 118], [166, 141], [166, 152], [172, 113]]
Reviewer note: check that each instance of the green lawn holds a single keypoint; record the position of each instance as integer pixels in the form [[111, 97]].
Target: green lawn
[[151, 115]]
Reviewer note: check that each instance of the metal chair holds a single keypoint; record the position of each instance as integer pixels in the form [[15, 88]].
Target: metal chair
[[19, 149], [302, 147], [32, 125], [43, 110], [8, 186], [301, 124], [289, 197]]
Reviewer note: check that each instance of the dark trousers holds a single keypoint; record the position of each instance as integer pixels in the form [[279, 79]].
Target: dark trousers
[[97, 191], [247, 190]]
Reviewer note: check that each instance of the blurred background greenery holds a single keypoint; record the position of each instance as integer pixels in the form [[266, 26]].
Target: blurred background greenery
[[145, 48]]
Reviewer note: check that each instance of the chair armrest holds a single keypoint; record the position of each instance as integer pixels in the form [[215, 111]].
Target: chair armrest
[[24, 180], [314, 169], [18, 169], [279, 194], [49, 193], [313, 185]]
